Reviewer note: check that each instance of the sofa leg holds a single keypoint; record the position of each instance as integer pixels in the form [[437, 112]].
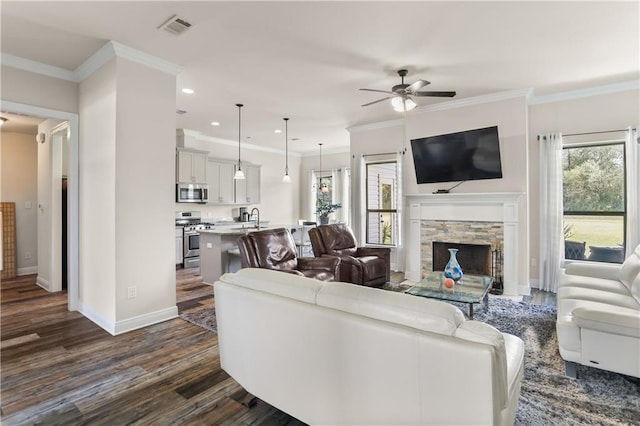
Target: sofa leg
[[570, 369]]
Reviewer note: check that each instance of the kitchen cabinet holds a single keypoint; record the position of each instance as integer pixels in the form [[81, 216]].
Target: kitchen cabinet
[[220, 181], [248, 190], [191, 166]]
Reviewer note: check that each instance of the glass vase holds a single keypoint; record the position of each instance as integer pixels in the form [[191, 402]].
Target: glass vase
[[453, 269]]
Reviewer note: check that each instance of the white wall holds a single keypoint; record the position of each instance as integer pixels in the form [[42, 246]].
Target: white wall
[[39, 90], [97, 176], [20, 185], [145, 152], [612, 111], [127, 125], [278, 201]]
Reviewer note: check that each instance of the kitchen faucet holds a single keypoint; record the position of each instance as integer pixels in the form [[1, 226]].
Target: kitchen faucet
[[257, 216]]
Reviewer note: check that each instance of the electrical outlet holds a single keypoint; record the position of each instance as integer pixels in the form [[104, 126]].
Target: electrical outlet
[[132, 292], [209, 245], [27, 255]]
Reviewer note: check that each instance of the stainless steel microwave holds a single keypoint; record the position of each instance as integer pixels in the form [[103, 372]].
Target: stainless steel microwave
[[192, 193]]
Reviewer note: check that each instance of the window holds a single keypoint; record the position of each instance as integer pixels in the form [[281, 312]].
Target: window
[[594, 202], [382, 194]]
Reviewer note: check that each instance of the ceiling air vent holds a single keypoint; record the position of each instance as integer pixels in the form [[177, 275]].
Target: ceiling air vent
[[181, 112], [175, 25]]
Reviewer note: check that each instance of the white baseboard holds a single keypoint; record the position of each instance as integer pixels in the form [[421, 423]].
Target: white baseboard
[[43, 283], [27, 271], [146, 320], [118, 327]]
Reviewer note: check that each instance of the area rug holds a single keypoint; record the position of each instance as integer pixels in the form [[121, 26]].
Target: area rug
[[547, 397], [205, 318]]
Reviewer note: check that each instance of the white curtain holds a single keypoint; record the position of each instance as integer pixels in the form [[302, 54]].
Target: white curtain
[[551, 235], [312, 196], [341, 195], [632, 152]]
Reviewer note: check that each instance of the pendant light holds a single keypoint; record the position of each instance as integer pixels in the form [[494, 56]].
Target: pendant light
[[239, 174], [286, 178], [323, 186]]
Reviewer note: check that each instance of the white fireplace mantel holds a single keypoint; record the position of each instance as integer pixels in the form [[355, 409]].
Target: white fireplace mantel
[[477, 207]]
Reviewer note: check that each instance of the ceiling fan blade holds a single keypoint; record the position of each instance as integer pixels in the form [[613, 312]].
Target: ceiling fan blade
[[374, 90], [379, 100], [416, 86], [436, 94]]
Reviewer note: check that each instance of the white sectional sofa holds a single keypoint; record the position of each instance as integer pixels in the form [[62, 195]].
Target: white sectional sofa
[[333, 353], [599, 316]]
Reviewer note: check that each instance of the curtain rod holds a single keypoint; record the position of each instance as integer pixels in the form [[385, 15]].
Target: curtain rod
[[594, 133]]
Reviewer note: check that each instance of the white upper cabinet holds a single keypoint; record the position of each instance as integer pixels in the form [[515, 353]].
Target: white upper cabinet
[[220, 180], [191, 166], [248, 189]]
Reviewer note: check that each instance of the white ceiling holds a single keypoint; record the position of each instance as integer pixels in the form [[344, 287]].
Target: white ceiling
[[307, 60]]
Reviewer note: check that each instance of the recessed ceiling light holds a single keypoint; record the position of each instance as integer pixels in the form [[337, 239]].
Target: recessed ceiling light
[[277, 131], [215, 123], [188, 91]]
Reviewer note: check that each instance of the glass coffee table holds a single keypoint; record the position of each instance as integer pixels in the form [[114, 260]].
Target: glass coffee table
[[470, 289]]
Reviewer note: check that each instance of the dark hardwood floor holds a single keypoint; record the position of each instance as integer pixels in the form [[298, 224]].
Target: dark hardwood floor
[[57, 367]]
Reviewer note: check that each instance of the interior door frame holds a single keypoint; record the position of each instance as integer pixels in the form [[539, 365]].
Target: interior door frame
[[72, 189]]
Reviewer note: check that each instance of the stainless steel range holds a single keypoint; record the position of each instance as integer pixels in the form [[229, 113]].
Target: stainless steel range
[[191, 225]]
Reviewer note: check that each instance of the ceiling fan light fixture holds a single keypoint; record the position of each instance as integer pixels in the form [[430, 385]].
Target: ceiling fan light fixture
[[2, 120], [402, 103]]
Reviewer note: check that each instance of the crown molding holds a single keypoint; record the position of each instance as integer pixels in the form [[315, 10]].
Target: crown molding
[[38, 67], [475, 100], [108, 51], [584, 93]]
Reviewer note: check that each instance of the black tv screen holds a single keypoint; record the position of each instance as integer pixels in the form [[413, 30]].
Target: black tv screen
[[469, 155]]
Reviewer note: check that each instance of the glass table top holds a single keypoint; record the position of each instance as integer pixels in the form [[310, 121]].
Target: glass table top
[[470, 289]]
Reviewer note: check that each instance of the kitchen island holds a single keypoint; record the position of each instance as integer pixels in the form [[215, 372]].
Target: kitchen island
[[214, 246]]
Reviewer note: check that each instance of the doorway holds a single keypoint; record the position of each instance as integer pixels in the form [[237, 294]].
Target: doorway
[[68, 132]]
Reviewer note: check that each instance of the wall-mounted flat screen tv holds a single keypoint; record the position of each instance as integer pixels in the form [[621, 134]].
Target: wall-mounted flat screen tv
[[469, 155]]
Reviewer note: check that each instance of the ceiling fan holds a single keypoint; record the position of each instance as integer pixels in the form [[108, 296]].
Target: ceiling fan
[[401, 93]]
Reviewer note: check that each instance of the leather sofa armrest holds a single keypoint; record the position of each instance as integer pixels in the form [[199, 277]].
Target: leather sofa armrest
[[381, 252], [608, 271], [618, 320], [290, 271], [327, 263]]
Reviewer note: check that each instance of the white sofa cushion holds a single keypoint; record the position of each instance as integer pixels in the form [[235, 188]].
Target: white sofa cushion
[[630, 268], [571, 297], [276, 282], [602, 284], [635, 288], [416, 312]]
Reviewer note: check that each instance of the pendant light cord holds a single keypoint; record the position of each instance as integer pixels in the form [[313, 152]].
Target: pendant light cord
[[286, 146]]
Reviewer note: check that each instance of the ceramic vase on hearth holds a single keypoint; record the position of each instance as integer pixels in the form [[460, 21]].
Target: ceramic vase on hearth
[[324, 220], [453, 269]]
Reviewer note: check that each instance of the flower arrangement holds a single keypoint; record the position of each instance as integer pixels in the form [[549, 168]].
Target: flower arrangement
[[325, 209]]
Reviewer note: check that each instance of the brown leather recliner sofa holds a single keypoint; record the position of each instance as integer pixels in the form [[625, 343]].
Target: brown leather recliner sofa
[[368, 266], [275, 249]]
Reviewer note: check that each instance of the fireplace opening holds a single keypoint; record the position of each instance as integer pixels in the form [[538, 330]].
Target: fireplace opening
[[475, 259]]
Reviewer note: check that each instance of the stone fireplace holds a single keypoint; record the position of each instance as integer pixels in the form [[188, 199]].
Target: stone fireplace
[[489, 220]]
